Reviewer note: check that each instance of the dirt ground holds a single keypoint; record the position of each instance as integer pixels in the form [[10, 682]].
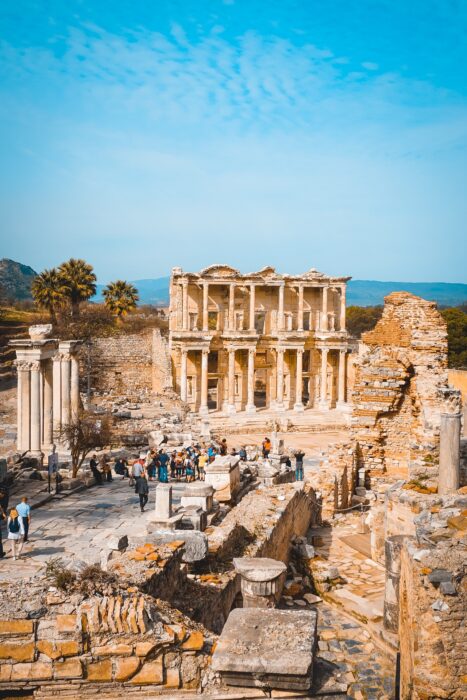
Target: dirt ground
[[311, 443]]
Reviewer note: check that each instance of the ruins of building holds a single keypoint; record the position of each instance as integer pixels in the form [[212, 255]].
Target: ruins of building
[[240, 342], [48, 388]]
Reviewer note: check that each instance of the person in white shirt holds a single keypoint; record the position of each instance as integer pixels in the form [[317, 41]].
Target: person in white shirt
[[24, 512]]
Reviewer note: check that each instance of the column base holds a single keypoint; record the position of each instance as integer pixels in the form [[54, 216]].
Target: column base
[[323, 406], [279, 406], [203, 411], [231, 410], [298, 407], [343, 406], [250, 408]]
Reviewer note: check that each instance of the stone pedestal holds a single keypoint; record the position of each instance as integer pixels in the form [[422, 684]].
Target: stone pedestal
[[163, 517], [193, 518], [224, 475], [261, 648], [262, 580], [198, 494], [449, 453]]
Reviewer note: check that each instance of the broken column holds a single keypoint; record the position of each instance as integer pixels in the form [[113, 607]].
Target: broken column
[[262, 580], [163, 517], [449, 453], [393, 546]]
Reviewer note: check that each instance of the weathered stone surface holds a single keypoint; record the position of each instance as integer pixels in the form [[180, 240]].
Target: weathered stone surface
[[126, 668], [18, 651], [58, 649], [99, 671], [267, 648], [13, 628], [144, 648], [194, 642], [113, 650], [70, 668], [196, 543], [66, 623], [37, 671], [152, 673]]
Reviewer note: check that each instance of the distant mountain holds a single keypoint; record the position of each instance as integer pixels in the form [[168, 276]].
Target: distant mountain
[[15, 280], [359, 292]]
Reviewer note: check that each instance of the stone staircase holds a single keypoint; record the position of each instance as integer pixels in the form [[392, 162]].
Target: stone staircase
[[311, 421]]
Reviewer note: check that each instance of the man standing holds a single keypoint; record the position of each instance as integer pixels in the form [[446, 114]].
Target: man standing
[[299, 455], [142, 489], [163, 460], [24, 511]]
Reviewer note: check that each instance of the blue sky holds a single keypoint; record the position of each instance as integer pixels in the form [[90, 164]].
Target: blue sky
[[299, 133]]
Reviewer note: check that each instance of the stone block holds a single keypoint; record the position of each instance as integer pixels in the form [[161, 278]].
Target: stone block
[[17, 651], [58, 649], [144, 648], [66, 623], [38, 671], [14, 628], [152, 673], [125, 668], [5, 672], [267, 648], [194, 642], [70, 668], [99, 671], [117, 543], [437, 576], [172, 678], [113, 650], [196, 543], [447, 588]]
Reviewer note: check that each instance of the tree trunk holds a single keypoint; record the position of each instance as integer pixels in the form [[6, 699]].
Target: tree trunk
[[74, 310]]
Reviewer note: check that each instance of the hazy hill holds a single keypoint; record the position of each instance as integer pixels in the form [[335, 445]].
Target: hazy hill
[[15, 280]]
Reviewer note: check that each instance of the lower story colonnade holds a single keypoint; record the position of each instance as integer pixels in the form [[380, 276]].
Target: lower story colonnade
[[236, 378]]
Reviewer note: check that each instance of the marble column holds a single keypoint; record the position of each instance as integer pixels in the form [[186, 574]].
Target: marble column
[[24, 406], [323, 398], [300, 308], [48, 402], [324, 310], [185, 324], [449, 453], [252, 307], [231, 382], [299, 381], [342, 314], [250, 406], [205, 306], [66, 386], [280, 378], [341, 378], [280, 315], [204, 382], [232, 307], [57, 395], [36, 408], [74, 389], [183, 378]]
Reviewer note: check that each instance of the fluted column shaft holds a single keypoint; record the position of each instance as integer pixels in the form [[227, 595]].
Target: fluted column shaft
[[66, 389], [185, 305], [300, 308], [205, 307], [342, 314], [57, 396], [48, 403], [280, 317], [183, 377], [24, 404], [341, 377], [231, 381], [74, 390], [204, 381], [232, 307], [280, 378]]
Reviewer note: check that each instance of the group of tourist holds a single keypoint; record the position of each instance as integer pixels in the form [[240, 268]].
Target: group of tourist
[[17, 525]]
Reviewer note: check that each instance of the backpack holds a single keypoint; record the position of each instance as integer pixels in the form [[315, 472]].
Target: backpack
[[14, 525]]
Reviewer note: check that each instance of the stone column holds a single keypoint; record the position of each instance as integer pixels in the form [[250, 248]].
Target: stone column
[[24, 406], [300, 308], [250, 406], [232, 307], [342, 315], [205, 306], [261, 581], [280, 316], [74, 394], [341, 378], [324, 311], [183, 379], [66, 386], [323, 398], [185, 324], [204, 382], [280, 378], [299, 381], [48, 401], [252, 307], [449, 453], [231, 382], [392, 550], [57, 395], [35, 407]]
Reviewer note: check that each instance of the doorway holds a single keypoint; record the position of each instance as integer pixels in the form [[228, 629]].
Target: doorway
[[260, 388], [213, 394]]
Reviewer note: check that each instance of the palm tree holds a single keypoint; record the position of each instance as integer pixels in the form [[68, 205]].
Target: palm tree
[[78, 283], [47, 291], [120, 297]]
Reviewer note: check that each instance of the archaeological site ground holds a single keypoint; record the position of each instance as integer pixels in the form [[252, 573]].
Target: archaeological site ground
[[320, 551]]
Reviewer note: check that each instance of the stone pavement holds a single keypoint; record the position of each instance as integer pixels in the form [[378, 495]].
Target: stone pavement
[[77, 526]]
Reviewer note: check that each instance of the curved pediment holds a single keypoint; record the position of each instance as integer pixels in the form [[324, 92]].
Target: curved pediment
[[219, 271]]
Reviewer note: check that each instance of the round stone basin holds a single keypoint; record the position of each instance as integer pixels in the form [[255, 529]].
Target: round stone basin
[[259, 568]]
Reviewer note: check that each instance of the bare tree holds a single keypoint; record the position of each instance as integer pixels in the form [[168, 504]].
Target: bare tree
[[84, 434]]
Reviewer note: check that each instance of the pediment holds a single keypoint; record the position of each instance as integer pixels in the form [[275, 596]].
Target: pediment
[[219, 271]]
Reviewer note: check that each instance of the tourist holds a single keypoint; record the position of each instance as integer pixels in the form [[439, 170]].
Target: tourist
[[212, 453], [95, 471], [138, 467], [163, 460], [233, 452], [151, 464], [223, 448], [24, 511], [107, 470], [179, 466], [266, 447], [242, 453], [121, 467], [2, 518], [189, 469], [173, 464], [15, 532], [299, 455], [202, 461], [142, 489], [4, 498]]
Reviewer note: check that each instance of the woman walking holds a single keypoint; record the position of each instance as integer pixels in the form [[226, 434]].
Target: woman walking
[[15, 529]]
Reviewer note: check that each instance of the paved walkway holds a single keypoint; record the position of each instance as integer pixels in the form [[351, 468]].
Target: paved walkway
[[76, 526]]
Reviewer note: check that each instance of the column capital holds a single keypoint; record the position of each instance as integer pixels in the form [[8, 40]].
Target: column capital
[[23, 365]]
